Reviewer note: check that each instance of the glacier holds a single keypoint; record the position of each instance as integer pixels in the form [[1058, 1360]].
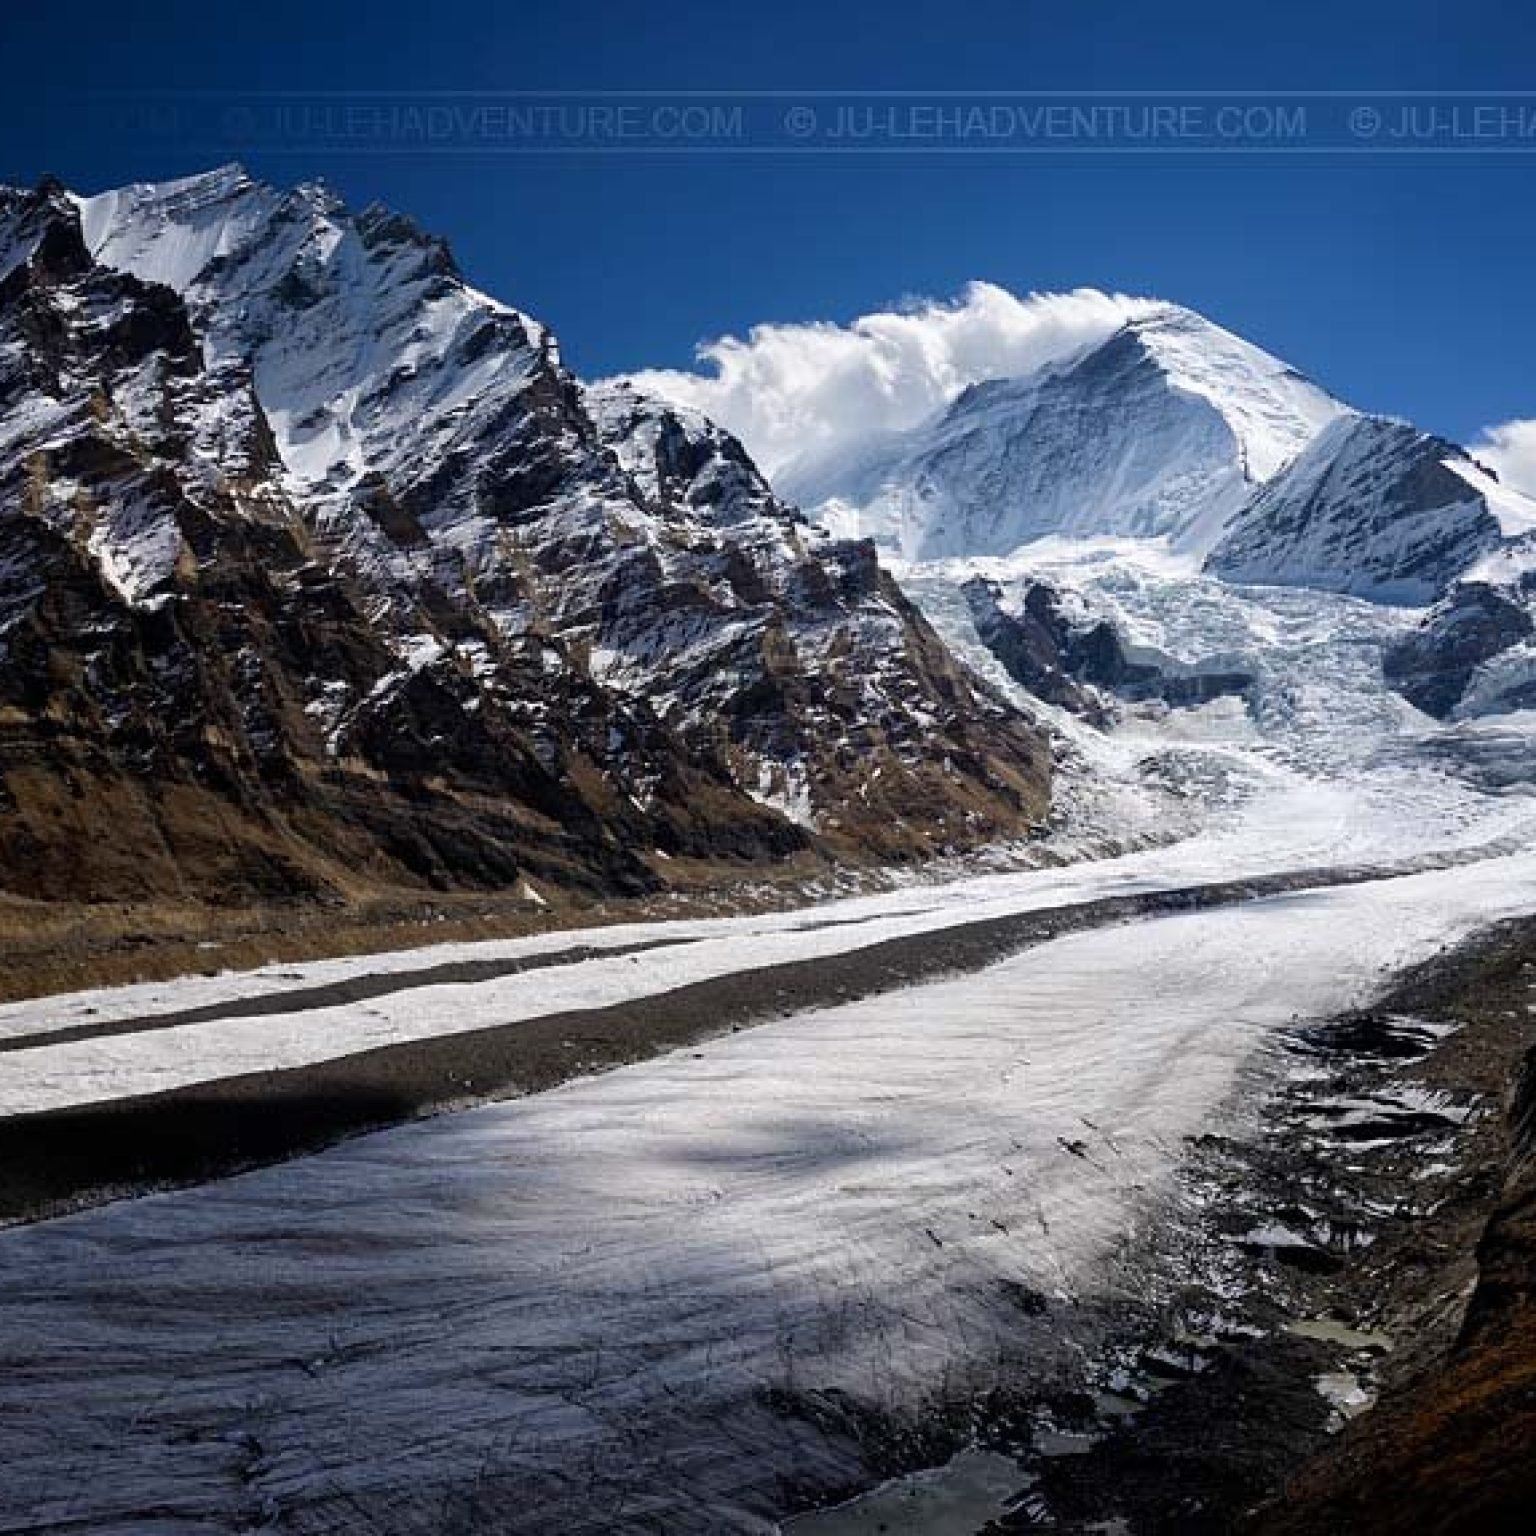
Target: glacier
[[670, 1296], [625, 1303]]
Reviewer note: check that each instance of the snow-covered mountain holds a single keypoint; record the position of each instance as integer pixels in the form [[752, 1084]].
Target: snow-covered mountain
[[318, 570], [1373, 507], [1175, 433], [1164, 428], [317, 567], [1380, 510]]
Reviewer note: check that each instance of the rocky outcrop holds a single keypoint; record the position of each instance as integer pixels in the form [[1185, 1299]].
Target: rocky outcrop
[[1054, 647], [1434, 664], [1504, 1302], [318, 573], [1448, 1448], [799, 655]]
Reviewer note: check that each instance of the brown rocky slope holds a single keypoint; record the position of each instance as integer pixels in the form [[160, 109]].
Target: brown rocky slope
[[320, 577]]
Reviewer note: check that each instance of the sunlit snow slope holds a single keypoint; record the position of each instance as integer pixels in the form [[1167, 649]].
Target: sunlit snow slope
[[1161, 429]]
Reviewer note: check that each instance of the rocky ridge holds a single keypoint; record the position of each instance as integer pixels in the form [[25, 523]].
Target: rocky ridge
[[1373, 508], [319, 572]]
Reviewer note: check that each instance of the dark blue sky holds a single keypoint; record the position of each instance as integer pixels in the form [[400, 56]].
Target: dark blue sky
[[1403, 284]]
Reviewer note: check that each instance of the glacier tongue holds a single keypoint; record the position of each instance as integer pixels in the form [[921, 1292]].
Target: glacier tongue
[[663, 1298]]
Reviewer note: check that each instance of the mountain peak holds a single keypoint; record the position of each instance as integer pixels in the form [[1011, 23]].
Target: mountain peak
[[370, 559], [364, 342], [168, 231], [1274, 411], [1159, 428], [40, 227]]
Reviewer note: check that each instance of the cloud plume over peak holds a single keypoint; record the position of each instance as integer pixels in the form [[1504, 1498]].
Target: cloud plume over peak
[[807, 391], [1511, 450]]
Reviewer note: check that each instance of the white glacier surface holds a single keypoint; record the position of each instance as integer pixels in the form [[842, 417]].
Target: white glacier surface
[[597, 1309]]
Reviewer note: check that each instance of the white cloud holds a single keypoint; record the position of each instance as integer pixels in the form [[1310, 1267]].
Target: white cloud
[[1510, 450], [802, 392]]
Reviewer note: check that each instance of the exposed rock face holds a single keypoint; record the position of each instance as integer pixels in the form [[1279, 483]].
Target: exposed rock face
[[1372, 507], [1505, 1299], [1039, 647], [1067, 656], [318, 571], [1474, 652], [1433, 666], [1447, 1448], [797, 655]]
